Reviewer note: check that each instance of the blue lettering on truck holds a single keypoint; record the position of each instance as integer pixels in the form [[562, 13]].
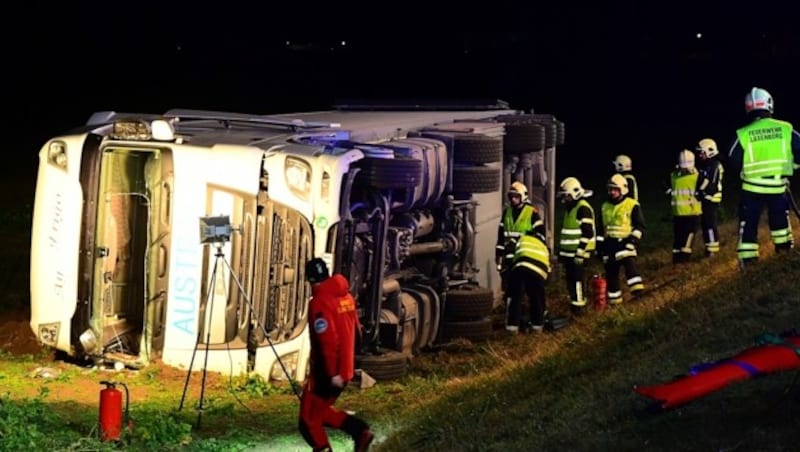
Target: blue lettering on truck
[[184, 306]]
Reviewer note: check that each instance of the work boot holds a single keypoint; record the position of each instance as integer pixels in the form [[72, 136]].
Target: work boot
[[577, 310], [364, 440]]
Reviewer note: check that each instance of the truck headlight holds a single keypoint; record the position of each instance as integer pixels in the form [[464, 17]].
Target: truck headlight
[[298, 177], [48, 333], [57, 154]]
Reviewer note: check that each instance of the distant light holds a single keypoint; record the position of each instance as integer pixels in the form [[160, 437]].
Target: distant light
[[699, 35], [344, 43], [288, 43]]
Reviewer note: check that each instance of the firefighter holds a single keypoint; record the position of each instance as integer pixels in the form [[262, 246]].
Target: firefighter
[[333, 319], [766, 152], [577, 240], [519, 217], [620, 229], [529, 271], [624, 165], [686, 208], [711, 173]]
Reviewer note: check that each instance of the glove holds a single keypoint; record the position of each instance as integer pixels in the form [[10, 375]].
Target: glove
[[578, 260], [337, 381]]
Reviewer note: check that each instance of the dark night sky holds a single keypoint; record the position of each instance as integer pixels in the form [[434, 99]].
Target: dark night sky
[[627, 77]]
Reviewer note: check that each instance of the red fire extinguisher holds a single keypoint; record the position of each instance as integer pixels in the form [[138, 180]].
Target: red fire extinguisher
[[111, 415], [599, 293]]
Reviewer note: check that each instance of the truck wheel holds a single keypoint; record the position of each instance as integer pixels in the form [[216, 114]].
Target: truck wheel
[[477, 148], [523, 136], [472, 330], [388, 365], [468, 302], [551, 133], [389, 173], [561, 134], [475, 179]]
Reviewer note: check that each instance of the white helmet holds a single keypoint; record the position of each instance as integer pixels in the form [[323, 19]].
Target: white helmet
[[758, 99], [571, 190], [686, 160], [619, 181], [622, 163], [518, 188], [707, 148]]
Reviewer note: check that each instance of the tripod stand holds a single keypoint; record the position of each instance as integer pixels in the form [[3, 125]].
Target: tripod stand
[[220, 256]]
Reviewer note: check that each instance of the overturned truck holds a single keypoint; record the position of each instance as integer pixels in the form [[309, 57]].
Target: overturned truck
[[158, 235]]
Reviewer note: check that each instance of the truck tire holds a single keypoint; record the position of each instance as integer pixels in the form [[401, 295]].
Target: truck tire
[[551, 133], [475, 179], [388, 365], [473, 330], [389, 173], [561, 135], [477, 148], [468, 303], [523, 136]]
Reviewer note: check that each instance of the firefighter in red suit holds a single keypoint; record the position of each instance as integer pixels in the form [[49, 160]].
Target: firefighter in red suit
[[333, 320]]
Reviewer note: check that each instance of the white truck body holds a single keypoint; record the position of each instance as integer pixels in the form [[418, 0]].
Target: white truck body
[[119, 273]]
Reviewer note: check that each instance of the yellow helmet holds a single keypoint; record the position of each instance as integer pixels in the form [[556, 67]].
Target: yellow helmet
[[622, 163], [618, 181], [571, 190], [518, 188], [707, 148], [686, 160]]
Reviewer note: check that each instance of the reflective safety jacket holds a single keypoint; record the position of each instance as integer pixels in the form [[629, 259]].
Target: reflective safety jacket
[[578, 235], [617, 218], [684, 186], [532, 253], [767, 158], [516, 223]]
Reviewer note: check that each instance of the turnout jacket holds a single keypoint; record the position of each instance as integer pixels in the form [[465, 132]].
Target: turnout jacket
[[333, 318]]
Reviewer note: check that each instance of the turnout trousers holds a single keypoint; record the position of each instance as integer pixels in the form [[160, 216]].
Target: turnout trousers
[[683, 229], [523, 281], [634, 278], [750, 208], [709, 225]]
